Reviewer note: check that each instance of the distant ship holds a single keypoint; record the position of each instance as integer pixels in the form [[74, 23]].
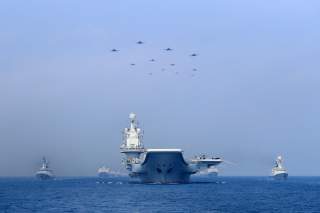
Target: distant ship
[[278, 171], [44, 173], [104, 172], [158, 165]]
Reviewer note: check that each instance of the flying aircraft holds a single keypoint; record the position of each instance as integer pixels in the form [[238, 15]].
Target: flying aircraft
[[193, 54], [152, 60], [194, 69], [168, 49], [139, 42], [114, 50], [172, 64], [132, 64]]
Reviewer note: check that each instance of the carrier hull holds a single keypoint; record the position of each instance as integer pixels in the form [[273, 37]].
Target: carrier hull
[[163, 167]]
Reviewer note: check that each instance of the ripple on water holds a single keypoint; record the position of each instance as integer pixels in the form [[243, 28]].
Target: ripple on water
[[121, 195]]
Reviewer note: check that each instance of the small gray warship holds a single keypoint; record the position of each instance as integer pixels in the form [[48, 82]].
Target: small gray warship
[[44, 173], [278, 171]]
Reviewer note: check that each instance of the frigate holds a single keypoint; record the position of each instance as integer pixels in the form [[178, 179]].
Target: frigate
[[278, 171], [44, 173], [105, 172], [158, 165]]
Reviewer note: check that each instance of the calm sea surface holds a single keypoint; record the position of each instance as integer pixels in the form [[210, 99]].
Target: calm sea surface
[[225, 194]]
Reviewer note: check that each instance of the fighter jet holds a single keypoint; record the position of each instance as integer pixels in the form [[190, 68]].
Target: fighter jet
[[193, 54], [139, 42], [194, 69], [168, 49], [132, 64], [152, 60], [172, 64], [114, 50]]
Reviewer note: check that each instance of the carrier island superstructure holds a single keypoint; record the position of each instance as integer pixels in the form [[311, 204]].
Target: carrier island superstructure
[[158, 165]]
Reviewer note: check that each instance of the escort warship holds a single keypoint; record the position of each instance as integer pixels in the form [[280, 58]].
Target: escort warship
[[158, 165], [105, 172], [44, 173], [278, 171]]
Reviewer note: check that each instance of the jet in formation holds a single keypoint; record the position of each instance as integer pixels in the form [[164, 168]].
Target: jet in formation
[[153, 60]]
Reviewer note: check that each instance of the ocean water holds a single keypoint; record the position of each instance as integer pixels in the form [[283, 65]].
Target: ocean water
[[224, 194]]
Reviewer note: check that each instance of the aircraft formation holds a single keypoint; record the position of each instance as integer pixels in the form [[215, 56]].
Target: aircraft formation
[[169, 67]]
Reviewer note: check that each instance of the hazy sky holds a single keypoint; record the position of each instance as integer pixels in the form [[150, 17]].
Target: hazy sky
[[64, 95]]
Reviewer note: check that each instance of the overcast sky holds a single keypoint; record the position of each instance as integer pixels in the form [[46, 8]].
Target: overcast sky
[[64, 95]]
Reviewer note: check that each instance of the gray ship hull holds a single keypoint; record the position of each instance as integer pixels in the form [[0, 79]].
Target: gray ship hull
[[281, 176], [44, 176], [104, 175], [163, 167]]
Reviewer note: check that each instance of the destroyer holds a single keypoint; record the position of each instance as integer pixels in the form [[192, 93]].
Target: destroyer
[[158, 165], [279, 172], [44, 172]]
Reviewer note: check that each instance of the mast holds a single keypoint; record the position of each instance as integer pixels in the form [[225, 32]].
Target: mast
[[279, 162], [44, 163]]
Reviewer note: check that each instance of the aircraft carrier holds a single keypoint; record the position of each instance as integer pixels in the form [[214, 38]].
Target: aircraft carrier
[[158, 165]]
